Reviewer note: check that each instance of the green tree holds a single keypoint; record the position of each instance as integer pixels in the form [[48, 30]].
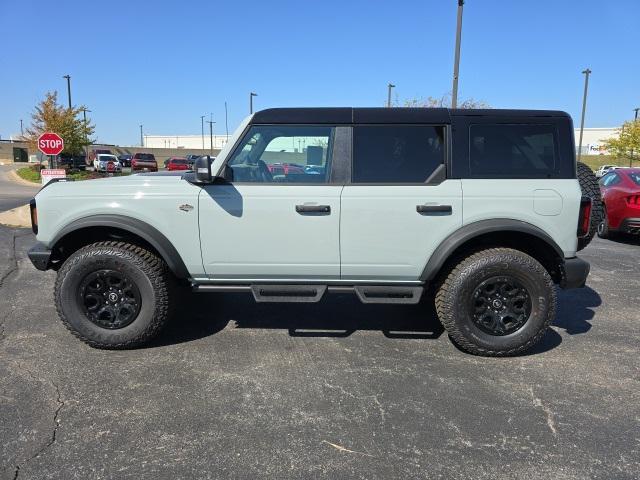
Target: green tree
[[49, 116], [626, 146], [444, 102]]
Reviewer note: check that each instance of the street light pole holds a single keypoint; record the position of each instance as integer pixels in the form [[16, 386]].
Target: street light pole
[[635, 118], [389, 87], [68, 77], [202, 127], [211, 122], [586, 72], [141, 139], [22, 129], [456, 60], [251, 95]]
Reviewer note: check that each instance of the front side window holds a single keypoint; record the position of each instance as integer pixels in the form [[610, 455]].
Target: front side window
[[513, 151], [283, 154], [396, 153], [635, 177]]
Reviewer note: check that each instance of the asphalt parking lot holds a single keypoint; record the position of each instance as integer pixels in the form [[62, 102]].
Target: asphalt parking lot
[[333, 390]]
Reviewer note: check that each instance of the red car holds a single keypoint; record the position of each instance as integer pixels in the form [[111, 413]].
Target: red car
[[285, 169], [177, 163], [620, 190]]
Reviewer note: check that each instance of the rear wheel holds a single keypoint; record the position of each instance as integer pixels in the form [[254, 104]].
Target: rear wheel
[[114, 294], [603, 226], [496, 302]]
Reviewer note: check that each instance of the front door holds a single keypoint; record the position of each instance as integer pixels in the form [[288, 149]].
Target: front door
[[277, 215], [399, 205]]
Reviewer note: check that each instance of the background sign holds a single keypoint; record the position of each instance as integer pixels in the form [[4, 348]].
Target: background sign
[[48, 174]]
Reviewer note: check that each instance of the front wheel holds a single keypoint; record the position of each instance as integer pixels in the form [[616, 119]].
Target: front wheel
[[114, 295], [496, 302]]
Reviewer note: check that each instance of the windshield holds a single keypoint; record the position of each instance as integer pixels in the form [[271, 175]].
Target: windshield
[[145, 156], [179, 161]]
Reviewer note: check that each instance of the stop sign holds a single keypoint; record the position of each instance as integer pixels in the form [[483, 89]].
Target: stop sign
[[50, 143]]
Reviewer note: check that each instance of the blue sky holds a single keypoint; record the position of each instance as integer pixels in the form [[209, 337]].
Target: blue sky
[[163, 64]]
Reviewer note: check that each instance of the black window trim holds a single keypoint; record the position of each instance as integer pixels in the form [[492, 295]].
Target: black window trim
[[554, 174], [436, 178], [331, 180]]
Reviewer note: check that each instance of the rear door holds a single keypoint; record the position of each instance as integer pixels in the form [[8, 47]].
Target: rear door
[[399, 205]]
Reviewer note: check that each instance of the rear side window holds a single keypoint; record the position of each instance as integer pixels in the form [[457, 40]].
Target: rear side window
[[396, 153], [145, 156], [513, 151], [610, 179]]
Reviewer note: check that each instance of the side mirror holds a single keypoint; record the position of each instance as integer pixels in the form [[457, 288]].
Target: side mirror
[[202, 167]]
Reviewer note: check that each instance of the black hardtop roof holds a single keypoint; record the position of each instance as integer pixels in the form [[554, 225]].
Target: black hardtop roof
[[340, 115]]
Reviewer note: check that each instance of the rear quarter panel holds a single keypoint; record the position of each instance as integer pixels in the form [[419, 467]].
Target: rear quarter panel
[[552, 205]]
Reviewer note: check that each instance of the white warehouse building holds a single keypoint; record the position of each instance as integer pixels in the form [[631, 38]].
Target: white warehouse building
[[185, 141], [592, 140]]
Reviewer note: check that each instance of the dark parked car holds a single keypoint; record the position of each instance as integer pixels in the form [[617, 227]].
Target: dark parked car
[[125, 159], [72, 162], [191, 158], [144, 161]]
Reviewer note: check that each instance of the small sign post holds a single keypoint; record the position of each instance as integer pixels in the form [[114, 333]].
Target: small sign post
[[50, 143]]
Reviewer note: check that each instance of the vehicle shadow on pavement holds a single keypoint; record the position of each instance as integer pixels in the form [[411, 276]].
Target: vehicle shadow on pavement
[[204, 314], [625, 239], [575, 309]]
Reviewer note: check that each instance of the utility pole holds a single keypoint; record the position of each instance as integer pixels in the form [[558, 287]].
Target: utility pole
[[586, 72], [68, 77], [141, 139], [389, 87], [211, 122], [202, 127], [226, 120], [22, 129], [251, 95], [86, 135], [635, 119], [456, 60]]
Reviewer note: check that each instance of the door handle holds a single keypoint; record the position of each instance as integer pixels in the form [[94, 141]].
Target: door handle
[[302, 209], [434, 209]]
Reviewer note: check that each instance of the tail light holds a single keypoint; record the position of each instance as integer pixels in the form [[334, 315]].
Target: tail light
[[633, 201], [34, 215], [584, 219]]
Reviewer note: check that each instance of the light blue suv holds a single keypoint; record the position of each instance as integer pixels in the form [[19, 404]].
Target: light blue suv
[[483, 205]]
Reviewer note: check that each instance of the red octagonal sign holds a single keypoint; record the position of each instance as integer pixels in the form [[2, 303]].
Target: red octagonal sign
[[50, 143]]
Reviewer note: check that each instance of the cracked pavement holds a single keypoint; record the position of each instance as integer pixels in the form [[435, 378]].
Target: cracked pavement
[[338, 389]]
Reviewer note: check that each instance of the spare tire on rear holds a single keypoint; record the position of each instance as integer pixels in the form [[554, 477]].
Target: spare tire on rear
[[590, 188]]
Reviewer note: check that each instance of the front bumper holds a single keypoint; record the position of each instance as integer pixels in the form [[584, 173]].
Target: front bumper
[[576, 272], [40, 256]]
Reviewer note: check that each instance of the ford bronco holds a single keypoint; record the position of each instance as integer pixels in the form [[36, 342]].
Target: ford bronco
[[482, 207]]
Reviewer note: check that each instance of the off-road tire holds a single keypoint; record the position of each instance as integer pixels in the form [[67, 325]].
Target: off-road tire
[[150, 275], [455, 296], [590, 188]]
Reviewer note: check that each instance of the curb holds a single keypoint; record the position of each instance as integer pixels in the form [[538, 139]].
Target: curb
[[13, 176]]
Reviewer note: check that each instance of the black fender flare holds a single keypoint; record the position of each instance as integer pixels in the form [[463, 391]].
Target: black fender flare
[[137, 227], [476, 229]]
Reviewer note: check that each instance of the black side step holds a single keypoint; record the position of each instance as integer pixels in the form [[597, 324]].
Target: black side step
[[288, 293], [388, 294]]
